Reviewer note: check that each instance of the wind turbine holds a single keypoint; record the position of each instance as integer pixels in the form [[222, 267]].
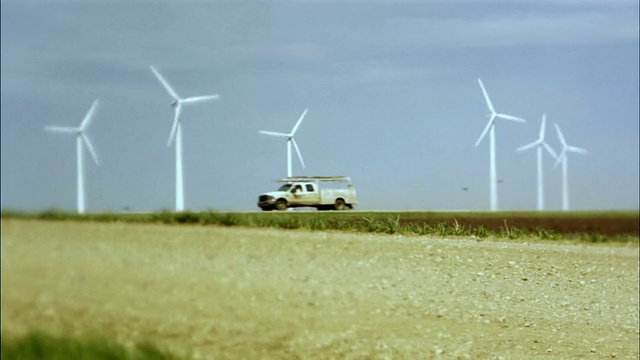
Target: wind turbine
[[80, 138], [492, 145], [290, 140], [539, 144], [562, 158], [176, 131]]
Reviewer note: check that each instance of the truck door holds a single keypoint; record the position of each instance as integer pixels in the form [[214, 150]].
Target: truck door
[[297, 194], [312, 196]]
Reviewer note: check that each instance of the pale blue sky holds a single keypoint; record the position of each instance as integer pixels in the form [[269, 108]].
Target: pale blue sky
[[391, 89]]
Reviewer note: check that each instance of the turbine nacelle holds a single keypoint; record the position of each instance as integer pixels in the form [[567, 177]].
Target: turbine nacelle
[[566, 148], [79, 131], [492, 115], [81, 138], [176, 131], [489, 128], [177, 101], [540, 141], [562, 158], [290, 140]]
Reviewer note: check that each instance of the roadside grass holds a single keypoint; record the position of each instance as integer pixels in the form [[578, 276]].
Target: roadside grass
[[40, 345], [464, 224]]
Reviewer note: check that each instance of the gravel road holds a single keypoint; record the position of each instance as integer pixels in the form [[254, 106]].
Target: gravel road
[[215, 292]]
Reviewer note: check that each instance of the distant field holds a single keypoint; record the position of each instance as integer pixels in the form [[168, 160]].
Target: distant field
[[596, 226], [213, 292]]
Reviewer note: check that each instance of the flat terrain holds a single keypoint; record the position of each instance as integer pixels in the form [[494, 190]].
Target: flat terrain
[[215, 292], [594, 226], [604, 223]]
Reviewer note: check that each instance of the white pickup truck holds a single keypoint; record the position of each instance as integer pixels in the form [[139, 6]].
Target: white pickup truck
[[306, 192]]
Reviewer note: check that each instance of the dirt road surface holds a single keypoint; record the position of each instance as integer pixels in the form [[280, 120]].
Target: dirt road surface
[[214, 292]]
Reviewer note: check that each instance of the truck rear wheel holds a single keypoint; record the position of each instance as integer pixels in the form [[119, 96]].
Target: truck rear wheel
[[281, 205], [340, 205]]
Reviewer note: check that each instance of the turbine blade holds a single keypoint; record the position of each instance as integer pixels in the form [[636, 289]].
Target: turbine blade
[[542, 127], [175, 125], [62, 129], [90, 147], [173, 132], [577, 150], [295, 145], [89, 116], [274, 133], [486, 129], [512, 118], [295, 127], [550, 150], [195, 99], [528, 146], [165, 83], [564, 144], [560, 158], [486, 97]]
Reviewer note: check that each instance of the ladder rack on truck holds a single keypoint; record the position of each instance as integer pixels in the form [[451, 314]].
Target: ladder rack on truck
[[314, 179]]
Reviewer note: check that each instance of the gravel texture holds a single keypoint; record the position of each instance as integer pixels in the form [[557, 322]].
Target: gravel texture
[[214, 292]]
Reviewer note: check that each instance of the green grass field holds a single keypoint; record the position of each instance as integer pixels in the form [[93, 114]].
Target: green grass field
[[37, 345]]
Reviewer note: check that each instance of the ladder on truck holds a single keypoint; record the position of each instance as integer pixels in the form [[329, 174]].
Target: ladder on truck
[[315, 179]]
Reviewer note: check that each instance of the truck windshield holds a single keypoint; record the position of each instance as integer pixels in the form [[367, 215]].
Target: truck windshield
[[285, 187]]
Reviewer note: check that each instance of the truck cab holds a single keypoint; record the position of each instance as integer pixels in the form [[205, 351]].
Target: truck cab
[[304, 193]]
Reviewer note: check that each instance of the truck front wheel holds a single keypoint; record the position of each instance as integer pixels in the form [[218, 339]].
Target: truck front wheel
[[281, 205], [339, 205]]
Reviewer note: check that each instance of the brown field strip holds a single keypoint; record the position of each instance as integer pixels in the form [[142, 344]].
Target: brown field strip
[[604, 224], [589, 226]]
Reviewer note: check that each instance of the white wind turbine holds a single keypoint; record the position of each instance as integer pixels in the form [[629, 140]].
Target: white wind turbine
[[290, 140], [176, 131], [80, 138], [562, 158], [493, 179], [539, 144]]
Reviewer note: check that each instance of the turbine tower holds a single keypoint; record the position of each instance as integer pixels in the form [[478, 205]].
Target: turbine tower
[[290, 140], [493, 178], [539, 144], [80, 138], [562, 158], [176, 132]]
